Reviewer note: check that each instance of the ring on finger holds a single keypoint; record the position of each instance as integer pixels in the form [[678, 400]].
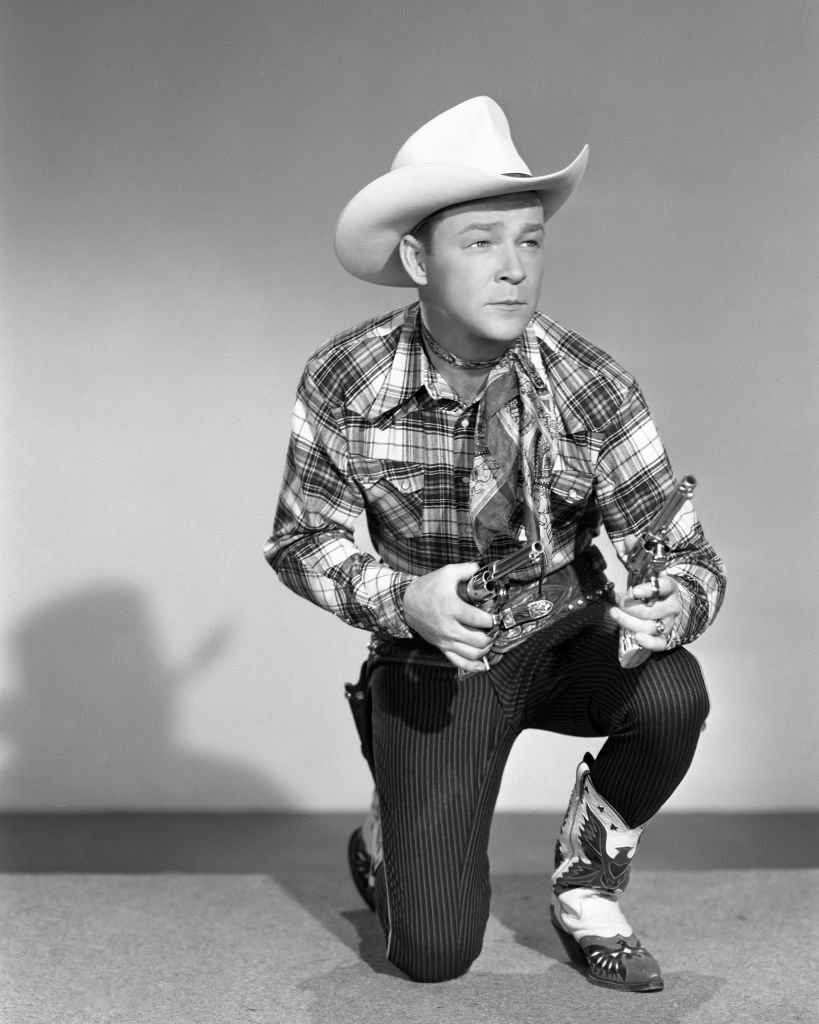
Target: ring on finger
[[655, 588], [660, 627]]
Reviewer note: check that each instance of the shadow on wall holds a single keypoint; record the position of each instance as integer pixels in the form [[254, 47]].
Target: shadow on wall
[[91, 722]]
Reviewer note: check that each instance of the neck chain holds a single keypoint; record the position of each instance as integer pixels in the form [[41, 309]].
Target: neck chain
[[452, 359]]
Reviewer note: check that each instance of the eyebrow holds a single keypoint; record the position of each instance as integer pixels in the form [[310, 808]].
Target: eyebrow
[[478, 226]]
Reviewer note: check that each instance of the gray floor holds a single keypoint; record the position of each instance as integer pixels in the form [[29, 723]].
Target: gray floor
[[233, 919]]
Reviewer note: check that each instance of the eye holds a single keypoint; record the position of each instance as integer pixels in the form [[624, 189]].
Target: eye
[[532, 243], [480, 243]]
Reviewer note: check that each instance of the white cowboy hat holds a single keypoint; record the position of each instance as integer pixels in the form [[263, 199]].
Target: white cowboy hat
[[463, 154]]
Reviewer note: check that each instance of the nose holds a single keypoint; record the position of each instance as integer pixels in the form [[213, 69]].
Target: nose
[[511, 266]]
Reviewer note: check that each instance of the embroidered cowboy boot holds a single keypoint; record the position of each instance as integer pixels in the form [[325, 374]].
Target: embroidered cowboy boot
[[592, 861], [365, 853]]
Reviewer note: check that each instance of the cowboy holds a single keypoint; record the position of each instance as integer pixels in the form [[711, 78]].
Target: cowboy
[[466, 426]]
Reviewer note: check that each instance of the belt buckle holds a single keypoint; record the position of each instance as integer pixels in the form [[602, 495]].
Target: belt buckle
[[537, 609]]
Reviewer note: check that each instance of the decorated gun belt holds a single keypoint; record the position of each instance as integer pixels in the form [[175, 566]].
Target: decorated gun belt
[[537, 606], [540, 607]]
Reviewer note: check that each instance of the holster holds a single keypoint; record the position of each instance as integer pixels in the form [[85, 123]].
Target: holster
[[358, 697]]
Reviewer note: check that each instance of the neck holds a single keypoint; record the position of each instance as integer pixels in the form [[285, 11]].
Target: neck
[[465, 376], [444, 354], [467, 384], [440, 354]]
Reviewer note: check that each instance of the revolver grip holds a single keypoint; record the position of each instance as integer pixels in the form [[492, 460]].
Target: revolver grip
[[630, 653]]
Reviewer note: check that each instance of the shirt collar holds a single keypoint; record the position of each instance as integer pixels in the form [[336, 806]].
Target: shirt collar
[[529, 348], [408, 372]]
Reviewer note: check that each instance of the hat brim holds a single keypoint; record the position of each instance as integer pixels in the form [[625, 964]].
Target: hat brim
[[374, 221]]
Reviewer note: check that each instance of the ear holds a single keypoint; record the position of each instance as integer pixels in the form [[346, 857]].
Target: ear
[[413, 257]]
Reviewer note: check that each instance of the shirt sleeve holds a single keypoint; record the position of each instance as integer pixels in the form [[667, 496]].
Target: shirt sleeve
[[312, 549], [633, 481]]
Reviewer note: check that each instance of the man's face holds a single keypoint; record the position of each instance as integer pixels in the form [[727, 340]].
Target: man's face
[[483, 268]]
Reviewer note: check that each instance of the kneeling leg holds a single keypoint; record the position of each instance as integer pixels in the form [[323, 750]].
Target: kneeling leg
[[440, 746]]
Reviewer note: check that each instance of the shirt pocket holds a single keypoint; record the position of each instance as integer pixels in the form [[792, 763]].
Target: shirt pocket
[[571, 491], [393, 491]]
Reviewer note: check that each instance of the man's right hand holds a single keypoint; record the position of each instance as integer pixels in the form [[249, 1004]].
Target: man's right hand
[[433, 609]]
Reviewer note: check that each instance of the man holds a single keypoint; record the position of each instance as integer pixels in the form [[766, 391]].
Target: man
[[468, 426]]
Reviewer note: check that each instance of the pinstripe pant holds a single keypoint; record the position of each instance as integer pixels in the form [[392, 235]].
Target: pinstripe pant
[[440, 745]]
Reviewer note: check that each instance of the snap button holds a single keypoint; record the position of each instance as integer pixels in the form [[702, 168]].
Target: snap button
[[464, 423], [405, 485], [573, 493]]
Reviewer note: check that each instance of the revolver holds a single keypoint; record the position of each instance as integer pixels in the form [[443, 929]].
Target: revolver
[[489, 586], [647, 559]]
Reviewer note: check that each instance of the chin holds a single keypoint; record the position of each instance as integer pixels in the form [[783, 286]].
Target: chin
[[509, 329]]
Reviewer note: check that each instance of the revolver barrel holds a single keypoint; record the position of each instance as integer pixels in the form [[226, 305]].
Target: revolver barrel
[[491, 577], [662, 521], [516, 561]]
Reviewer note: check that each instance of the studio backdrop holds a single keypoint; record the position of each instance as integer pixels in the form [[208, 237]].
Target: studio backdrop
[[170, 176]]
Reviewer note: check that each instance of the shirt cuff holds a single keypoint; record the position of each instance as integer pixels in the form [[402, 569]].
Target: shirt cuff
[[381, 590], [393, 611], [682, 631]]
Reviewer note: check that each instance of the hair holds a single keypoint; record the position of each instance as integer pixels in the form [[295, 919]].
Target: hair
[[424, 231]]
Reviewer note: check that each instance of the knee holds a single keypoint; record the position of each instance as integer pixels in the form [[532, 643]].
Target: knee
[[429, 960], [431, 945], [689, 690], [673, 694]]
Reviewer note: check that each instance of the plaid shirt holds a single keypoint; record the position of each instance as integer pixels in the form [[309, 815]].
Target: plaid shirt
[[377, 430]]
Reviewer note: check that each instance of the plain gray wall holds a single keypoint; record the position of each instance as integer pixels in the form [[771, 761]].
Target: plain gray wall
[[171, 174]]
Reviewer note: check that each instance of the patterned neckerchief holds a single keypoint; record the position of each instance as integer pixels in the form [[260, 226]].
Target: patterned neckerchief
[[514, 444]]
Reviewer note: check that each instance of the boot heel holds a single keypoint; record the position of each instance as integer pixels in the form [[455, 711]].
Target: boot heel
[[570, 944]]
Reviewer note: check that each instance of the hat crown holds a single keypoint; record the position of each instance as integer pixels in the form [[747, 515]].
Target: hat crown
[[475, 133]]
